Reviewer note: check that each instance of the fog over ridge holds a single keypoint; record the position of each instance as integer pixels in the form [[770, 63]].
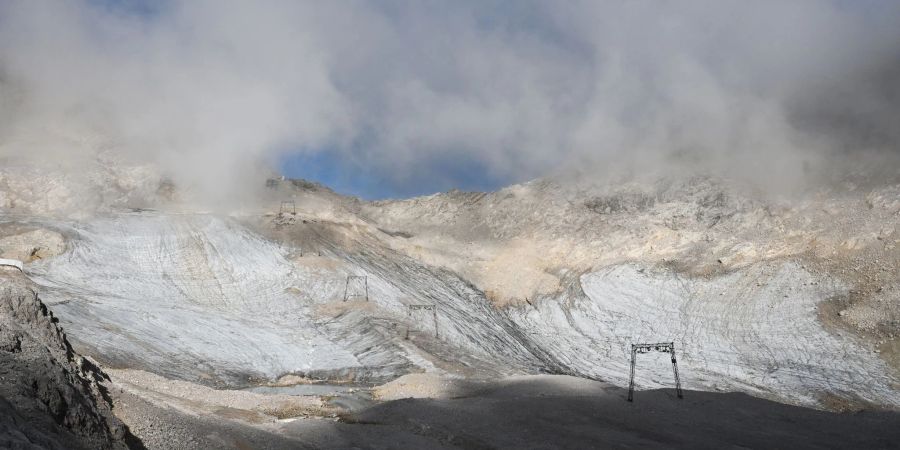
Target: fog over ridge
[[772, 91]]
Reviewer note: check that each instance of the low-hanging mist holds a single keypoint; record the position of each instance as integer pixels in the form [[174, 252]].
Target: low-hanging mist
[[210, 90]]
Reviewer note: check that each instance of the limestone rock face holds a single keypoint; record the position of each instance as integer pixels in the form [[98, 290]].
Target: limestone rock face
[[29, 245], [50, 397]]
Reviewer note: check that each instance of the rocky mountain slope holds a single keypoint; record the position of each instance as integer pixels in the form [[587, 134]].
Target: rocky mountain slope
[[50, 396], [793, 299], [695, 260]]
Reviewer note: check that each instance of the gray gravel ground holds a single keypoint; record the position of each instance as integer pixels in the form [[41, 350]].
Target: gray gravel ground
[[167, 428], [534, 412]]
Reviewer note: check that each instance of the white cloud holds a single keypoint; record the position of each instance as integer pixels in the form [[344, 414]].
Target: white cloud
[[207, 87]]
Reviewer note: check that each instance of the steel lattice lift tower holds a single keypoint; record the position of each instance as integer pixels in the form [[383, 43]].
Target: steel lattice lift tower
[[356, 281], [411, 308], [665, 347], [287, 207]]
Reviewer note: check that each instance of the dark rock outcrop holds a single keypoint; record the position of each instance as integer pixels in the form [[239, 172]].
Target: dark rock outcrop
[[50, 397]]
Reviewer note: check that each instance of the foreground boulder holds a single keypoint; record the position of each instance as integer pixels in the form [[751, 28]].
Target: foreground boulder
[[50, 397]]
